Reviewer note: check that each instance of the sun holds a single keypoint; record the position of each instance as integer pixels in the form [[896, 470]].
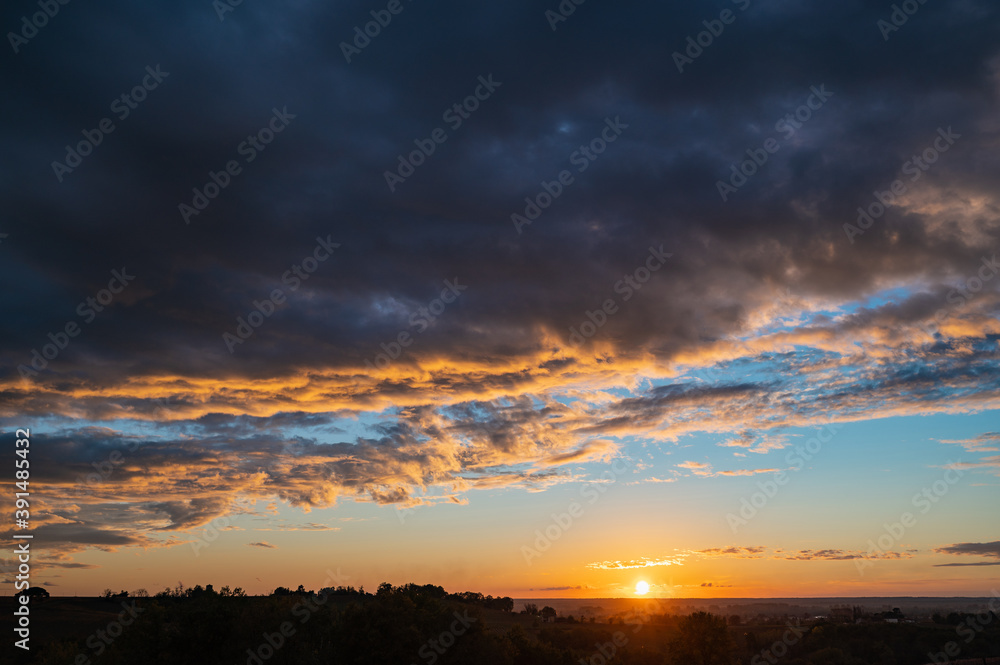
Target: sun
[[641, 588]]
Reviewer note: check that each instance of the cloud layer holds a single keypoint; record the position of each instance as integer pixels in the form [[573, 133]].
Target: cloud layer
[[766, 316]]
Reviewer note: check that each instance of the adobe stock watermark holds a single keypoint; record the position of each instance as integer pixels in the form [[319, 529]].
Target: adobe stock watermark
[[562, 12], [969, 629], [403, 513], [627, 286], [211, 532], [604, 653], [969, 287], [419, 321], [562, 522], [87, 310], [779, 649], [303, 610], [913, 167], [581, 159], [796, 460], [713, 374], [122, 107], [295, 448], [901, 13], [30, 27], [101, 639], [924, 500], [372, 29], [293, 279], [104, 469], [713, 29], [411, 505], [248, 149], [223, 7], [433, 648], [454, 115], [788, 125]]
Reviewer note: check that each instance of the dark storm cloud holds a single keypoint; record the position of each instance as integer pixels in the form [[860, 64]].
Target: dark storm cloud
[[324, 174], [220, 424]]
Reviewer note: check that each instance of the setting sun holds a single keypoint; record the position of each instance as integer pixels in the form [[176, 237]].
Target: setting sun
[[641, 589]]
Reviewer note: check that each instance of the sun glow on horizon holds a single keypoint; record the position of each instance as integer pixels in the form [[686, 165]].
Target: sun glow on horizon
[[641, 588]]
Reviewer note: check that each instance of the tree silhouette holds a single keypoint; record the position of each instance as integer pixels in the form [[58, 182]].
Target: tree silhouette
[[703, 640], [34, 592]]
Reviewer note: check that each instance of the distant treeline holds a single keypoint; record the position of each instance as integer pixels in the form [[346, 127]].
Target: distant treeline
[[414, 591], [503, 603]]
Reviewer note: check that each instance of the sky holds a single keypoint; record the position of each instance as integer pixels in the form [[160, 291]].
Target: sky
[[527, 298]]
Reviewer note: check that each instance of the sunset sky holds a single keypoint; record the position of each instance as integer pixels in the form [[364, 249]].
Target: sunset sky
[[608, 355]]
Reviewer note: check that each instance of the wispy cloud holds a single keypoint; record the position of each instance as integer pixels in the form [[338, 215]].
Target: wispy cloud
[[754, 552], [643, 562], [653, 479], [991, 550], [705, 470], [755, 443], [984, 443], [842, 555]]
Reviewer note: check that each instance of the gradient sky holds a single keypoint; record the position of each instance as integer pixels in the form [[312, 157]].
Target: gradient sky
[[163, 450]]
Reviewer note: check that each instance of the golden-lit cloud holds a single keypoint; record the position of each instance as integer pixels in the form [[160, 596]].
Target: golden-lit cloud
[[676, 560]]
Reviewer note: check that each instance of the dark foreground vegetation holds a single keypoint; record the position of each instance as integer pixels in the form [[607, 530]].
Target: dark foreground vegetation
[[424, 625]]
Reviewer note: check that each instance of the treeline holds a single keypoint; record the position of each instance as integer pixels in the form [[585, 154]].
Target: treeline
[[179, 591], [424, 624], [504, 604], [404, 624]]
